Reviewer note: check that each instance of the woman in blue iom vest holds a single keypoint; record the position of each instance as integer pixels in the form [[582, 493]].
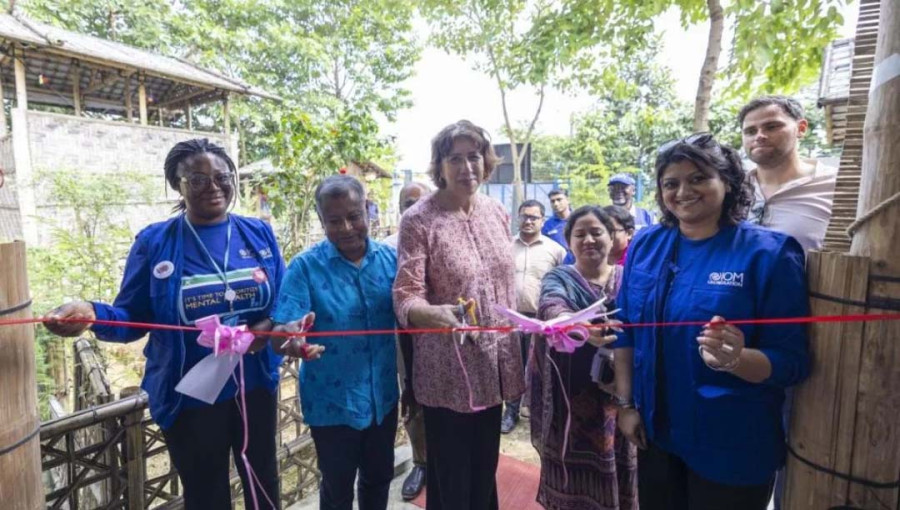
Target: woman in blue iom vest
[[203, 261], [703, 403]]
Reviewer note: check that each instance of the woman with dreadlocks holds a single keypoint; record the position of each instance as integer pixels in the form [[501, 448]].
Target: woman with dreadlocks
[[204, 261]]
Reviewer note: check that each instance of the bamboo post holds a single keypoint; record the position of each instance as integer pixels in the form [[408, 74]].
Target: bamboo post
[[142, 100], [3, 129], [21, 82], [76, 89], [847, 415], [20, 453], [226, 119], [129, 108], [877, 437], [133, 453]]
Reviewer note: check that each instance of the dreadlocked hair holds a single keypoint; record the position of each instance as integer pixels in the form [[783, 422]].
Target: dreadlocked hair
[[182, 151]]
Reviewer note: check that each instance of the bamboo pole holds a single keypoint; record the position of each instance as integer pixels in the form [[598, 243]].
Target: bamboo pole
[[877, 436], [129, 108], [76, 89], [3, 129], [133, 450], [20, 468], [847, 415], [21, 82], [142, 100]]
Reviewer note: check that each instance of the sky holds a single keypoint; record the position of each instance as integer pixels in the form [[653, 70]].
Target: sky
[[445, 89]]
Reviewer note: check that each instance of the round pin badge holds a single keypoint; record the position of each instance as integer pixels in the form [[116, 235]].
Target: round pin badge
[[164, 269], [259, 276]]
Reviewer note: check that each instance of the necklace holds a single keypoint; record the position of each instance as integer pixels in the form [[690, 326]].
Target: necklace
[[230, 294]]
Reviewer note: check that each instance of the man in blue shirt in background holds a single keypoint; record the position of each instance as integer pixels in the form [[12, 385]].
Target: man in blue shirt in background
[[349, 396], [621, 192], [556, 224]]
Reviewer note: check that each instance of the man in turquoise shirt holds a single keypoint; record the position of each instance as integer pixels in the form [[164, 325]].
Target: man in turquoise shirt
[[348, 396]]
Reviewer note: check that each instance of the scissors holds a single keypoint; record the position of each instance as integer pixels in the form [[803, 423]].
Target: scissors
[[465, 310]]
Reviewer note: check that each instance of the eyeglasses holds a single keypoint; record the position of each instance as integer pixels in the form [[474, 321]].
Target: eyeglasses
[[198, 182], [697, 139], [527, 217], [757, 214]]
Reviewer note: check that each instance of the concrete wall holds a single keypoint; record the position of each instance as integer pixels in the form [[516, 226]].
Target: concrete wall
[[109, 149], [10, 219]]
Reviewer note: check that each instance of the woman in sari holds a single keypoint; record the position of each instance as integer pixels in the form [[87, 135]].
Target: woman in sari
[[587, 463]]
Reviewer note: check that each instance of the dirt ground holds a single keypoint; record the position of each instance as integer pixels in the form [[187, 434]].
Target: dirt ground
[[517, 444]]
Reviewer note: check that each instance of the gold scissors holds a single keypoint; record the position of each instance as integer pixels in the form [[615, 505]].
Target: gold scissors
[[466, 312]]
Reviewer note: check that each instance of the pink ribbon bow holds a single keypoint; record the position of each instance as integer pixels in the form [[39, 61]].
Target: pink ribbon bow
[[563, 334], [223, 339], [207, 378]]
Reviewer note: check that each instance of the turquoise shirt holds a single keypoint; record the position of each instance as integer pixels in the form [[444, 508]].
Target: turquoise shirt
[[354, 383]]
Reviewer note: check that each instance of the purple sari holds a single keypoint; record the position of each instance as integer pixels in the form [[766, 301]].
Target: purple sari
[[599, 470]]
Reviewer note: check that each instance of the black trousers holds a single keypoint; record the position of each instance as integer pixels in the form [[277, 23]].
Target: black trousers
[[463, 451], [343, 451], [201, 439], [665, 482]]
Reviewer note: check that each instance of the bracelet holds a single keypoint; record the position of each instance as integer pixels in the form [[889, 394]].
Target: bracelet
[[728, 367], [624, 403]]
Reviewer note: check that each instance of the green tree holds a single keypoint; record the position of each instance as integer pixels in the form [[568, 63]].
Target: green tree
[[306, 151], [777, 45], [528, 45], [318, 56], [85, 260], [142, 23]]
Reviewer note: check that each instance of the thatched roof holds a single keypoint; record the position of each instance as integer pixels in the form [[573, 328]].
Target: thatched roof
[[53, 54]]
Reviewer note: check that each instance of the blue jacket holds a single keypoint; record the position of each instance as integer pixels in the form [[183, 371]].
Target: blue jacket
[[554, 228], [144, 297], [643, 218], [726, 429]]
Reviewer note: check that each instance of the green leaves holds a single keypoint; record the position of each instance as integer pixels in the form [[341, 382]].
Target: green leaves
[[306, 150], [318, 56], [778, 46]]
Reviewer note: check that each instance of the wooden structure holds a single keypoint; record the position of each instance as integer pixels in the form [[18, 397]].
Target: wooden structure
[[110, 454], [20, 483], [844, 93], [122, 109], [845, 433]]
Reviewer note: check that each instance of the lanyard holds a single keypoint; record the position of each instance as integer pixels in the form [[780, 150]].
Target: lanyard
[[230, 294]]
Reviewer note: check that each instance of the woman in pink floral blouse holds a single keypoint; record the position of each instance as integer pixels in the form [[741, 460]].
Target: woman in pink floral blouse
[[455, 244]]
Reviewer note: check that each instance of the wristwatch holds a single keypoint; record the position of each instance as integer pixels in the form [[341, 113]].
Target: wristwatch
[[624, 403]]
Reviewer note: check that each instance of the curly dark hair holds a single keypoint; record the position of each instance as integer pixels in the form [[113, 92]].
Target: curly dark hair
[[442, 144], [182, 151], [708, 156]]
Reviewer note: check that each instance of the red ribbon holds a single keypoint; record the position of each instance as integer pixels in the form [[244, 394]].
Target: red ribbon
[[495, 329]]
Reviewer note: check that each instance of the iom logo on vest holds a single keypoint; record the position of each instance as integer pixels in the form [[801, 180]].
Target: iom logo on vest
[[728, 278]]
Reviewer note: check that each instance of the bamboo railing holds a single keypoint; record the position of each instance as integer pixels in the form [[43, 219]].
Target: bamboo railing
[[109, 453]]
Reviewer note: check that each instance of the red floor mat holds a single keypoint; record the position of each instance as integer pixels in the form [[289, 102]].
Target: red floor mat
[[517, 484]]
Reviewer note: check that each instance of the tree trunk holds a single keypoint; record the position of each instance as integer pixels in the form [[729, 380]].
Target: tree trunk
[[710, 65]]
